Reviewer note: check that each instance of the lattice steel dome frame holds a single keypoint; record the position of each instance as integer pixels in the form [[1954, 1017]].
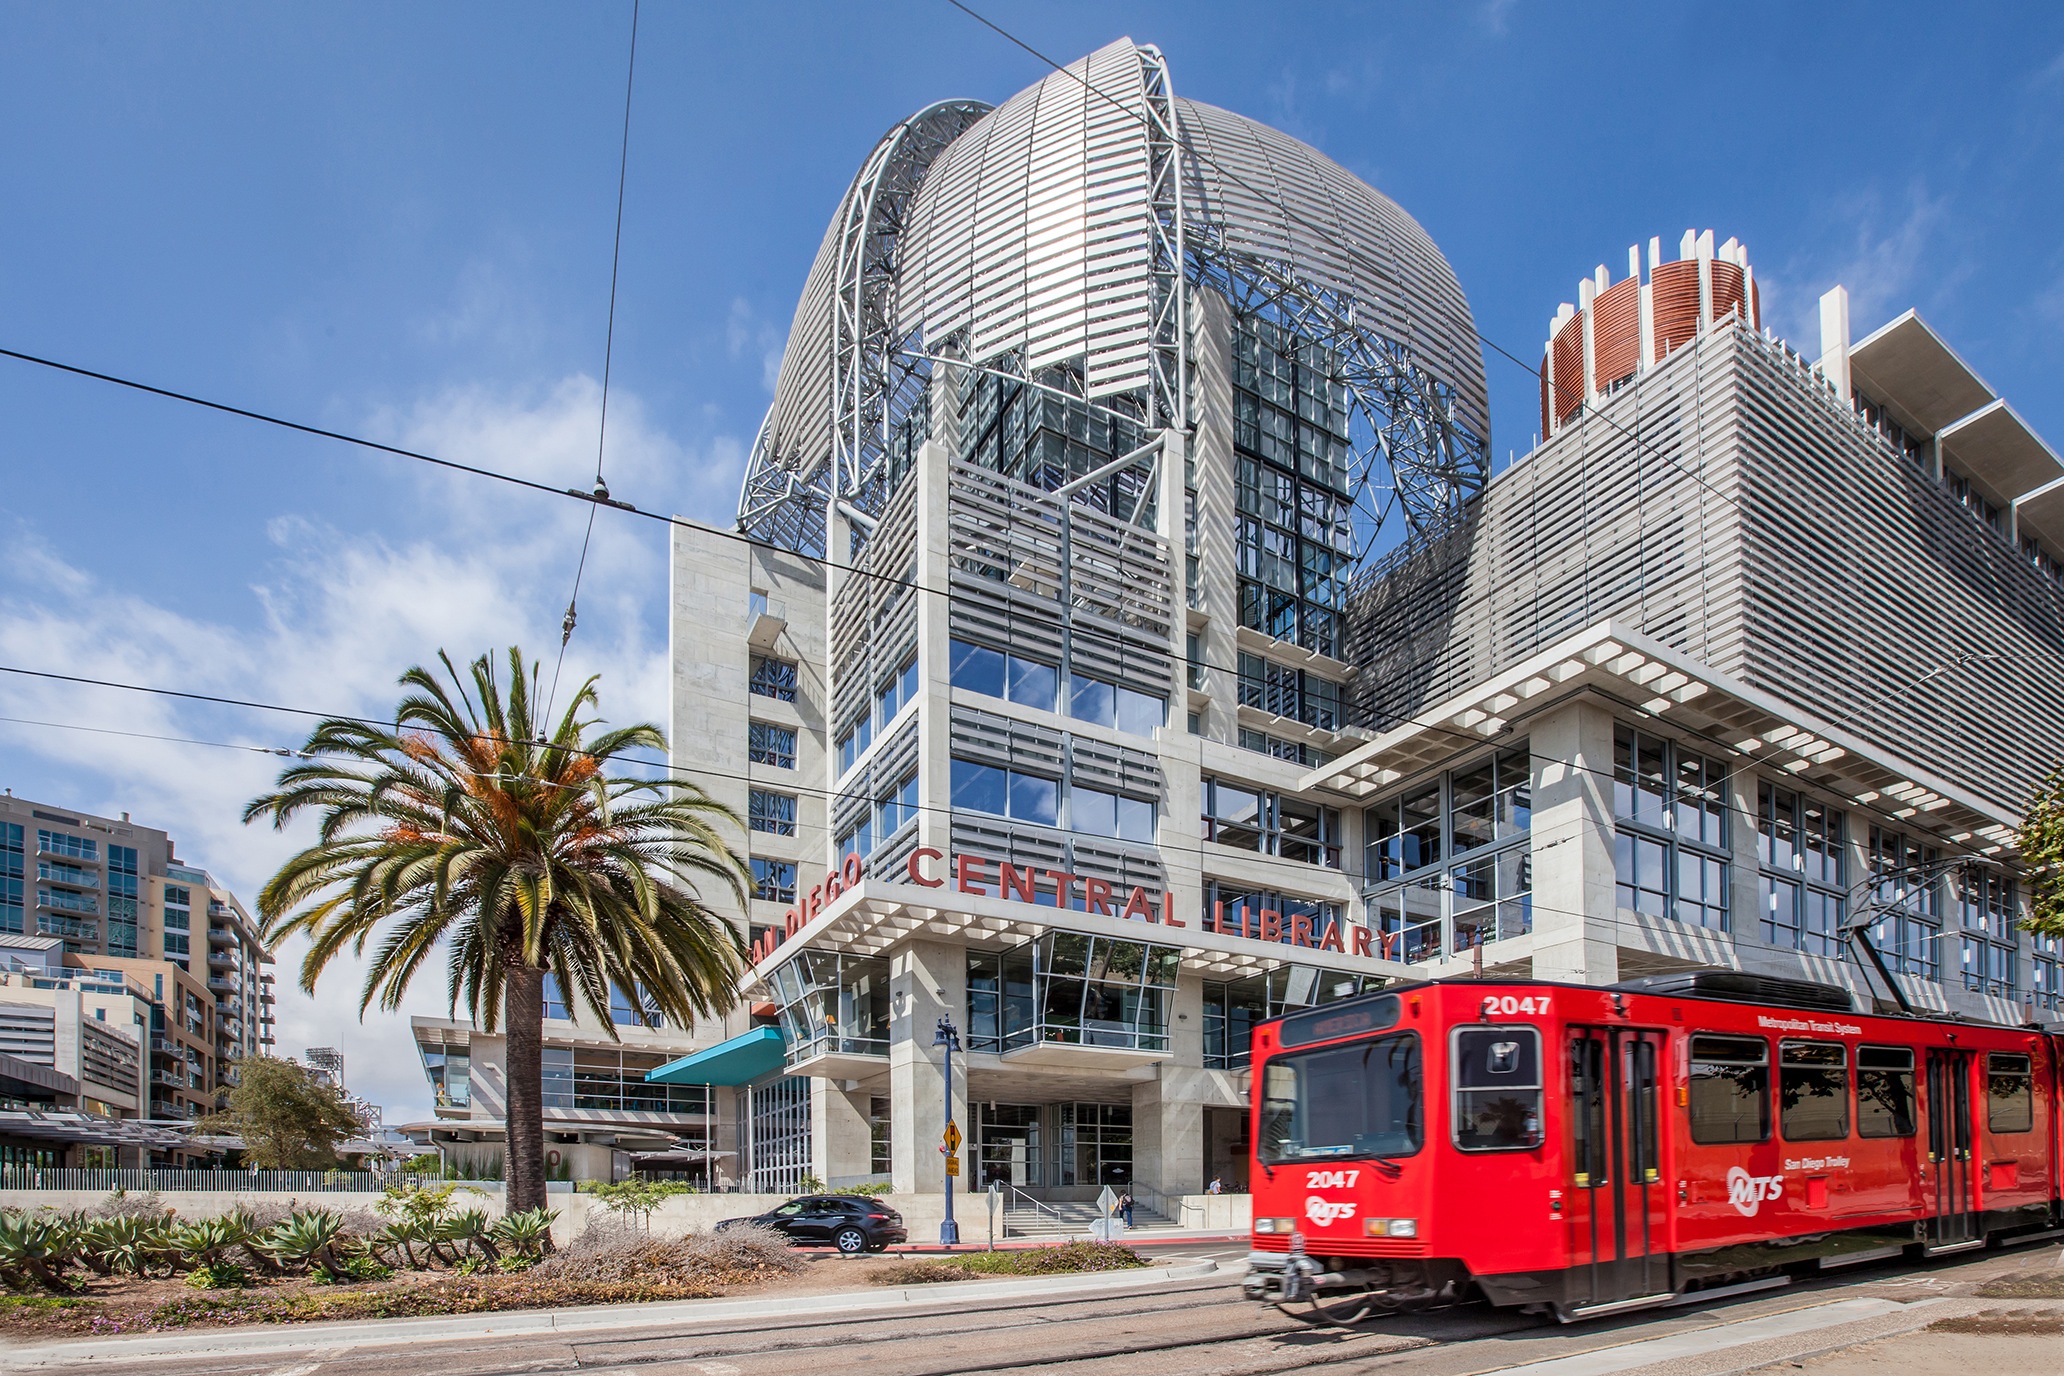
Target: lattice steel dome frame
[[1069, 227]]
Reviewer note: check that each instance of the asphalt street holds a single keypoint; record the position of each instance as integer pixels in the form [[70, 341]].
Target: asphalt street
[[1880, 1318]]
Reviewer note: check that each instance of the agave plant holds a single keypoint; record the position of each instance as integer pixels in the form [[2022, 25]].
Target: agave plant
[[251, 1235], [33, 1251], [129, 1244], [308, 1238], [470, 1229], [398, 1238], [527, 1234], [207, 1242]]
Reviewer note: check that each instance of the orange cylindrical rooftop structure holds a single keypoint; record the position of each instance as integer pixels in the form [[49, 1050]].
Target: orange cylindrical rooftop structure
[[1616, 331]]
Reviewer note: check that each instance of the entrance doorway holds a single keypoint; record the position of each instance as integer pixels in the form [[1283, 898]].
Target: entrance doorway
[[1616, 1188], [1006, 1144], [1952, 1207]]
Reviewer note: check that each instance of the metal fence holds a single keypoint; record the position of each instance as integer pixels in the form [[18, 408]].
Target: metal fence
[[223, 1182]]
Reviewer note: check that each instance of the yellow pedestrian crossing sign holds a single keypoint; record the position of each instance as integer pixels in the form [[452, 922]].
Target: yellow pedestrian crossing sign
[[952, 1138]]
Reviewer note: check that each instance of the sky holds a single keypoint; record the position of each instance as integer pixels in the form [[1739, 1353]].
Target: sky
[[396, 221]]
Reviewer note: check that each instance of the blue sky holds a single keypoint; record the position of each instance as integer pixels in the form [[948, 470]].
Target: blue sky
[[395, 219]]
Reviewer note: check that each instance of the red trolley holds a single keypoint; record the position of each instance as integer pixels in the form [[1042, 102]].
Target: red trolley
[[1579, 1150]]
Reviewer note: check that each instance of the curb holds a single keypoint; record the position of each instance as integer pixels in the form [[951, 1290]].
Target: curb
[[356, 1333]]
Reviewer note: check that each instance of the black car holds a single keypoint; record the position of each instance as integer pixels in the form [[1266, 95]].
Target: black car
[[850, 1222]]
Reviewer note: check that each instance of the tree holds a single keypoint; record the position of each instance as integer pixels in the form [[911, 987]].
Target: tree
[[290, 1118], [2042, 852], [463, 832]]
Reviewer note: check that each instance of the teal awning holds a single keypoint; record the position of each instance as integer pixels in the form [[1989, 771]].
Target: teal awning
[[739, 1061]]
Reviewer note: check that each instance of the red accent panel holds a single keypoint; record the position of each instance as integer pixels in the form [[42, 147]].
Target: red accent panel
[[1569, 368], [1616, 333], [1674, 289]]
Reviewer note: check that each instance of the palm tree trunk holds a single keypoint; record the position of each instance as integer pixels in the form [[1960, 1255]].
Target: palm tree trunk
[[523, 1018]]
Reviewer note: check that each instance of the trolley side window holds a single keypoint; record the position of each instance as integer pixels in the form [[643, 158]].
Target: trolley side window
[[1813, 1090], [1361, 1099], [1497, 1075], [2009, 1093], [1884, 1091], [1730, 1089]]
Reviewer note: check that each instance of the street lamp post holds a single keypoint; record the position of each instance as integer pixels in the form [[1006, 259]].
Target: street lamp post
[[949, 1037]]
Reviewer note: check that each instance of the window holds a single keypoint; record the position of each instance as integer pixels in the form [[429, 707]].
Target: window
[[878, 1139], [773, 678], [900, 688], [1341, 1102], [1447, 864], [1005, 793], [854, 742], [1271, 823], [2046, 971], [1730, 1089], [1813, 1090], [1884, 1091], [1497, 1072], [1909, 935], [1297, 694], [1297, 752], [11, 873], [1670, 847], [773, 880], [896, 807], [1096, 813], [770, 744], [2009, 1092], [176, 944], [773, 813], [997, 674], [1986, 912], [1800, 844]]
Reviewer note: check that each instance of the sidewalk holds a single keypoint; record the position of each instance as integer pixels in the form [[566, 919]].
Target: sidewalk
[[1159, 1237], [299, 1337]]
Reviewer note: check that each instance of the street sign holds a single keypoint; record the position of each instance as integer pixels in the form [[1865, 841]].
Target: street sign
[[1107, 1202], [953, 1165], [952, 1138]]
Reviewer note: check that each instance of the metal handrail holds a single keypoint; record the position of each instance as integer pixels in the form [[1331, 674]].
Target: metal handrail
[[1039, 1205], [1161, 1203]]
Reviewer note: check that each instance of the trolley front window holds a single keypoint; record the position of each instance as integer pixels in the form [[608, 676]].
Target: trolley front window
[[1361, 1099]]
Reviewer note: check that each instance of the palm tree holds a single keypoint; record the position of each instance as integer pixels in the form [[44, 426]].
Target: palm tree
[[462, 832]]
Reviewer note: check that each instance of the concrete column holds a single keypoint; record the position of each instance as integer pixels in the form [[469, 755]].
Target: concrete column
[[839, 1143], [927, 979], [1834, 340], [934, 664], [1575, 906], [1745, 869]]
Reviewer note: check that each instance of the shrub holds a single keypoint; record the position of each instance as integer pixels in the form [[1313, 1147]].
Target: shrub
[[527, 1234], [218, 1275], [1063, 1259], [472, 1266], [604, 1256], [122, 1204], [874, 1189]]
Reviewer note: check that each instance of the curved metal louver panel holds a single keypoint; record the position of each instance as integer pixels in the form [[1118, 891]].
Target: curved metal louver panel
[[825, 434], [1066, 227]]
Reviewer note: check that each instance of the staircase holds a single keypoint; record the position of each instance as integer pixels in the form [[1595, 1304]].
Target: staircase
[[1028, 1219]]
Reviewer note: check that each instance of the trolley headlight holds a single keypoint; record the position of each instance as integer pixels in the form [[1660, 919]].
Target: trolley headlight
[[1391, 1227], [1275, 1225]]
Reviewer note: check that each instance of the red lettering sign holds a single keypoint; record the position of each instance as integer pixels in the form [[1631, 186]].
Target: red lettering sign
[[1136, 905], [968, 874], [917, 875]]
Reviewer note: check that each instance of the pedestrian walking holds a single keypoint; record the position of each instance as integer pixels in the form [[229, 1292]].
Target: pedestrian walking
[[1125, 1207]]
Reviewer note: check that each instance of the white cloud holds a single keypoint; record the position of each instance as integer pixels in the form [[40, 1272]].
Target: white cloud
[[1495, 16], [1876, 246], [470, 566], [747, 332]]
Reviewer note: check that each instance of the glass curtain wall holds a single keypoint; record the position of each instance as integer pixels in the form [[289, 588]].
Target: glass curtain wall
[[1069, 988], [777, 1131], [1449, 864], [832, 1003], [1292, 487], [610, 1079], [1233, 1007]]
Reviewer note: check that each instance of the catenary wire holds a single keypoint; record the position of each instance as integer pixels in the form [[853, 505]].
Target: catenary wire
[[600, 496], [623, 167], [831, 793]]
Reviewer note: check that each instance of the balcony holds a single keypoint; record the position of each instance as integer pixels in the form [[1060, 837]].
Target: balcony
[[173, 1078], [225, 961], [225, 984], [68, 875], [70, 928], [221, 936]]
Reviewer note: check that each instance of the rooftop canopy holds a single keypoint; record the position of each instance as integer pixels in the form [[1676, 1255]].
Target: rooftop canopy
[[741, 1060]]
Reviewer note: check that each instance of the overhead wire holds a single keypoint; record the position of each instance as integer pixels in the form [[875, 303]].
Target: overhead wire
[[623, 168]]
